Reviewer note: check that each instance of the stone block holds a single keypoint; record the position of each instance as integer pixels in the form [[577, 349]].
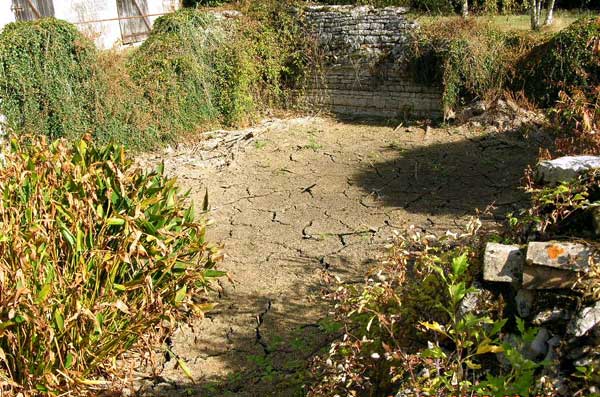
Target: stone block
[[566, 168], [543, 277], [502, 263], [560, 255], [585, 320]]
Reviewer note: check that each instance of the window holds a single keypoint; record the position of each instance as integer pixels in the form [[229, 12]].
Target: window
[[28, 10], [135, 25]]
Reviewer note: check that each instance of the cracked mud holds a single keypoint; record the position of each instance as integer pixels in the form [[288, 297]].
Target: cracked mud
[[295, 200]]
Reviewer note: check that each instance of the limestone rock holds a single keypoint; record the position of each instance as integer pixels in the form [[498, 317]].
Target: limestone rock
[[565, 168], [543, 277], [538, 346], [524, 301], [550, 316], [502, 263], [565, 256], [585, 320]]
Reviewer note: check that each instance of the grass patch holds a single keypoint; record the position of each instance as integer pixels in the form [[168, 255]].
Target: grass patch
[[519, 23]]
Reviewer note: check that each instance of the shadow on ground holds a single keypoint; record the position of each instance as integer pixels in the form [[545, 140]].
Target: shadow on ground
[[455, 178]]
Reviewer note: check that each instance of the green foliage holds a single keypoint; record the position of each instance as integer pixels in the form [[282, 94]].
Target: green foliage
[[195, 70], [467, 58], [94, 257], [407, 327], [175, 70], [47, 77], [520, 380], [568, 62], [564, 209], [472, 335]]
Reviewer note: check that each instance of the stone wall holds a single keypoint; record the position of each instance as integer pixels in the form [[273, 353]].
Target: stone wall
[[363, 71]]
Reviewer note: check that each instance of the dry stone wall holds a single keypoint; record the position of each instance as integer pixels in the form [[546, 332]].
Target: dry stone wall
[[363, 71]]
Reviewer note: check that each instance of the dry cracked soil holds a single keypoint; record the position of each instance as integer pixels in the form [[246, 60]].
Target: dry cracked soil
[[297, 202]]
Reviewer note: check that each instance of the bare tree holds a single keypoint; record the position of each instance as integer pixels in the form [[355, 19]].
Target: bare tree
[[550, 14], [465, 8]]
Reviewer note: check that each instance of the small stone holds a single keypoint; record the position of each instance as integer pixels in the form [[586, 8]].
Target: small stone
[[564, 169], [585, 320], [524, 301], [538, 346], [551, 315], [566, 256], [502, 263], [587, 361]]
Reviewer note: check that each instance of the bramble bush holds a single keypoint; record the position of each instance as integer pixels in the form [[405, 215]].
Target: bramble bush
[[96, 258]]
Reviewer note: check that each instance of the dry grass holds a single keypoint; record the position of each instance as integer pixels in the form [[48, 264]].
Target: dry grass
[[514, 23]]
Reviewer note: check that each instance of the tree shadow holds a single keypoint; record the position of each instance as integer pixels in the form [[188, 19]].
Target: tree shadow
[[453, 178]]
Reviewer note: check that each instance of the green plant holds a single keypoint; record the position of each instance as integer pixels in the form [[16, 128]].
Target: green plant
[[96, 258], [408, 327], [568, 61], [194, 71], [467, 58], [471, 335], [48, 76], [520, 378], [313, 145], [561, 209]]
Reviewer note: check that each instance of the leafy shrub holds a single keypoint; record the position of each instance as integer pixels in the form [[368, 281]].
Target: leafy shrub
[[407, 328], [568, 61], [195, 70], [561, 210], [47, 78], [95, 257], [467, 58]]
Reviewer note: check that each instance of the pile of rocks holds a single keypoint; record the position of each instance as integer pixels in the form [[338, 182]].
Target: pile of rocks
[[543, 279]]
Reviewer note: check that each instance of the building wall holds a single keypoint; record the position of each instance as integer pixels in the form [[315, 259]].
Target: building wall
[[6, 14], [363, 72], [106, 34]]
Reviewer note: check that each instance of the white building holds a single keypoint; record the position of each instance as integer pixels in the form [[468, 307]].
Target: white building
[[109, 23]]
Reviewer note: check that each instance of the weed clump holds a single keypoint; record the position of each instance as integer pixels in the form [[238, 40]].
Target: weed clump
[[469, 59], [96, 257]]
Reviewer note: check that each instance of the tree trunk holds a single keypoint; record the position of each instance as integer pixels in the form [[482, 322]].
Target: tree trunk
[[535, 7], [550, 16], [465, 8]]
